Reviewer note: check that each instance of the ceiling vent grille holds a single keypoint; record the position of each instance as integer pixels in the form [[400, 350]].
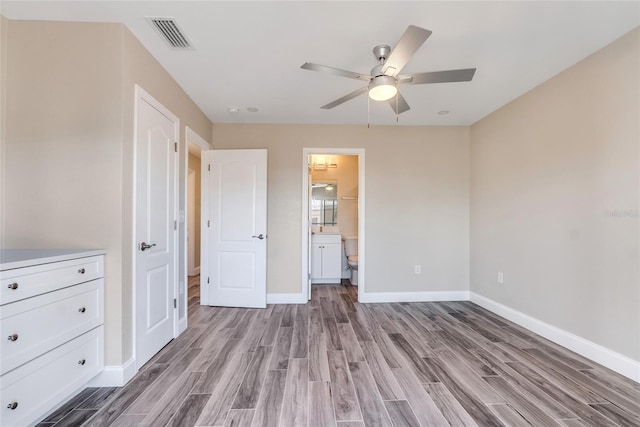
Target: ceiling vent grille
[[169, 30]]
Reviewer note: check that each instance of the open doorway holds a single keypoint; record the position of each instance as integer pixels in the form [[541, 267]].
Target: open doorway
[[192, 197], [193, 225], [333, 219]]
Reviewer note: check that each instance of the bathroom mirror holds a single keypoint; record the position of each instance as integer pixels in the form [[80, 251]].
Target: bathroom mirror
[[324, 203]]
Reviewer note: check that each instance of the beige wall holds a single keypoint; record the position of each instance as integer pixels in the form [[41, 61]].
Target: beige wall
[[194, 164], [555, 199], [4, 28], [346, 177], [62, 177], [417, 195], [69, 148]]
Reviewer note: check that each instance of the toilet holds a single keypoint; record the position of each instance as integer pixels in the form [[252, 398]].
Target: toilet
[[351, 252]]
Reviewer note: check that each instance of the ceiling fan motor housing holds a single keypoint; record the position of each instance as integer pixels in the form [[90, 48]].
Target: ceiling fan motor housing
[[381, 52]]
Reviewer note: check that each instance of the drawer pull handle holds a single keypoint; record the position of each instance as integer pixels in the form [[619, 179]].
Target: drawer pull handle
[[12, 405], [13, 337], [82, 309], [82, 362], [81, 271], [13, 286]]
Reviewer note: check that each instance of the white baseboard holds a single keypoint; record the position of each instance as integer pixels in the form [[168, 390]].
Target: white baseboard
[[617, 362], [286, 299], [115, 375], [374, 297]]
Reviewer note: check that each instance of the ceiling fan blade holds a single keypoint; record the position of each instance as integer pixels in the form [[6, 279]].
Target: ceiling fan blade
[[409, 43], [345, 98], [336, 71], [464, 75], [402, 104]]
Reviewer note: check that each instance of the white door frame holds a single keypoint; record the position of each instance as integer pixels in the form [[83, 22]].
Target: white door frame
[[191, 137], [142, 95], [306, 152]]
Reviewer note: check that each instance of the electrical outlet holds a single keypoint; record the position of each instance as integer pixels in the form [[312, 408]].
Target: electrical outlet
[[500, 277], [417, 269]]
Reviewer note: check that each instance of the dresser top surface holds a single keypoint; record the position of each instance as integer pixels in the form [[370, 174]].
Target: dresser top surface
[[18, 258]]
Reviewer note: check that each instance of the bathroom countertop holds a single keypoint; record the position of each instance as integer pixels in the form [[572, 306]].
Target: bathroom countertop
[[326, 232]]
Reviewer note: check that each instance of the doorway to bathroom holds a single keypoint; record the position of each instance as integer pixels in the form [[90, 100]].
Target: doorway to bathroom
[[333, 218]]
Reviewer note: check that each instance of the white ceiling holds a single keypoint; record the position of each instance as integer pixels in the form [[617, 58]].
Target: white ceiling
[[248, 54]]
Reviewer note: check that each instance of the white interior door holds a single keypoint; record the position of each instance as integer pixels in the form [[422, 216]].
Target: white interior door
[[236, 232], [155, 235]]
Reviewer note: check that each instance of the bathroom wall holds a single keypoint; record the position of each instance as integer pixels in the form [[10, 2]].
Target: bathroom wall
[[346, 176]]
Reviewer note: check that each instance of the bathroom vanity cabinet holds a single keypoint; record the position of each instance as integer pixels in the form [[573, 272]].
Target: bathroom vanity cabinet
[[326, 258]]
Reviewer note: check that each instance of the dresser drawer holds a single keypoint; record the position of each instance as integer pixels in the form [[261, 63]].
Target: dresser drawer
[[26, 282], [36, 325], [46, 381]]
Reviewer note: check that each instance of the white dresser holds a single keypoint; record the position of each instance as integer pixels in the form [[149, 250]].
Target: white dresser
[[326, 258], [51, 329]]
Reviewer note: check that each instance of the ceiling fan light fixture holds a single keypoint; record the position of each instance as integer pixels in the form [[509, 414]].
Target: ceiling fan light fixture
[[382, 88]]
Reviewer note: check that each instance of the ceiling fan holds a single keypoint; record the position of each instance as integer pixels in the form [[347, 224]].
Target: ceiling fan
[[385, 77]]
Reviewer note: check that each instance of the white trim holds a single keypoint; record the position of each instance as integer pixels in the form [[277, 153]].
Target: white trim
[[286, 298], [306, 152], [375, 297], [115, 375], [615, 361]]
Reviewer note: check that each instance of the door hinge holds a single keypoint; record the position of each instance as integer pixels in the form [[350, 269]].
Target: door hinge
[[207, 280], [209, 168], [208, 223], [175, 303], [175, 147], [175, 225]]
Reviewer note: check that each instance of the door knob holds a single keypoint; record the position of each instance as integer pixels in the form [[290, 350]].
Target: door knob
[[144, 246], [259, 236]]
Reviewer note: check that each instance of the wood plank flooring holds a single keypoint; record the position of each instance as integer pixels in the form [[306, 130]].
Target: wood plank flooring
[[336, 362]]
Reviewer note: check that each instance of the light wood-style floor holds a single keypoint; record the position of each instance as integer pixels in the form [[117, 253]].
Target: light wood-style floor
[[335, 362]]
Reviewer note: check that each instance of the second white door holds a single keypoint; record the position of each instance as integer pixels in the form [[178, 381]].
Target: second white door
[[235, 215]]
